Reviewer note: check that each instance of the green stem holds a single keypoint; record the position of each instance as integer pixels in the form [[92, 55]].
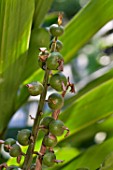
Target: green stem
[[35, 129]]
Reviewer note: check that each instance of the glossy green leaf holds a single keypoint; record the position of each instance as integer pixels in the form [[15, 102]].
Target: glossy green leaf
[[14, 36], [91, 83], [84, 25], [88, 109], [23, 91], [18, 51], [91, 158], [108, 162], [86, 137], [41, 9]]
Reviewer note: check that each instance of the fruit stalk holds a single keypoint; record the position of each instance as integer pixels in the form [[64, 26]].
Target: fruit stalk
[[35, 129]]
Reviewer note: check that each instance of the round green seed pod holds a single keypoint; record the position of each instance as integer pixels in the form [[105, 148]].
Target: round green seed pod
[[56, 30], [49, 158], [15, 150], [56, 127], [50, 140], [43, 55], [35, 88], [42, 64], [10, 142], [45, 121], [53, 60], [23, 137], [55, 101], [59, 45], [57, 81]]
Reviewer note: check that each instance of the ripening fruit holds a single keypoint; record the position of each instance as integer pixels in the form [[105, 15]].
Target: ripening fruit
[[53, 60], [55, 101], [49, 159], [35, 88], [57, 81], [56, 127], [42, 64], [50, 140], [10, 142], [59, 45], [23, 137], [45, 121], [43, 55], [15, 150], [56, 30]]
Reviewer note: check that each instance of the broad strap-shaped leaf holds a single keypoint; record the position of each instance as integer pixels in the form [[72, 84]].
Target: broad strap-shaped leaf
[[92, 158], [89, 108], [97, 80], [85, 137], [18, 57], [84, 25], [14, 41], [41, 9], [108, 162], [75, 28]]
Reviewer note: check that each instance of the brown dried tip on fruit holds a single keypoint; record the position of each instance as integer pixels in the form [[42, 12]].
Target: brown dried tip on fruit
[[8, 143], [3, 165], [43, 49], [72, 88], [42, 57], [60, 17], [43, 54]]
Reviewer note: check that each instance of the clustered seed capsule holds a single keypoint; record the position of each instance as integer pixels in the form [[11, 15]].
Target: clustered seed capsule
[[55, 101], [9, 142], [49, 159], [56, 127], [54, 61], [50, 140], [15, 150], [58, 81], [48, 61], [35, 88], [23, 137], [56, 30]]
